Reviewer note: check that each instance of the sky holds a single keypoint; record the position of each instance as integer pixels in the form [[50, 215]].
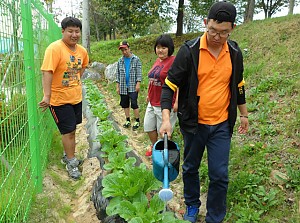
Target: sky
[[283, 12], [66, 8]]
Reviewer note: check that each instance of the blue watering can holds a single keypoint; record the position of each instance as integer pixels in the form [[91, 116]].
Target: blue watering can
[[166, 160]]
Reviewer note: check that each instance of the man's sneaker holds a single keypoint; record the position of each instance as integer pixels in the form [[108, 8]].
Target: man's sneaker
[[73, 170], [64, 160], [136, 125], [127, 124], [191, 214]]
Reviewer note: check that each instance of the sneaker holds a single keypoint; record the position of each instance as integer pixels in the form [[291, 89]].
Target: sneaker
[[73, 170], [149, 151], [135, 126], [127, 124], [191, 214], [64, 160]]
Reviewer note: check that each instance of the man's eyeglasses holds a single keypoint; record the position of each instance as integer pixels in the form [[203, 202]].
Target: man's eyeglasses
[[222, 34]]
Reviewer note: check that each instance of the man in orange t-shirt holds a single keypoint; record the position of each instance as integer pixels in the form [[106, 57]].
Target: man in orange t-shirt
[[209, 72], [63, 65]]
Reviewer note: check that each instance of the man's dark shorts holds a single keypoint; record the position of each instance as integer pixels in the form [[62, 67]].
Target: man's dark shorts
[[131, 97], [67, 117]]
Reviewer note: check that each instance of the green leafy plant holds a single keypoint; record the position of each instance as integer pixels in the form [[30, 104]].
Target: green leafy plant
[[118, 162], [246, 215], [110, 138], [120, 148], [265, 200], [141, 210], [127, 184], [293, 178], [106, 124], [101, 112]]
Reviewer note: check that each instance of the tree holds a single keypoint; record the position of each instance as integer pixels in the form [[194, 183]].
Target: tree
[[103, 21], [179, 19], [192, 22], [201, 8], [249, 12], [134, 17], [271, 7], [291, 7], [159, 26], [49, 5]]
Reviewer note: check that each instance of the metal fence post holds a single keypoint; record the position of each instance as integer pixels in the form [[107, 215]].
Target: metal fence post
[[31, 93]]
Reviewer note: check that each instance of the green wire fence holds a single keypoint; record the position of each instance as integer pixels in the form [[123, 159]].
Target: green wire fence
[[26, 29]]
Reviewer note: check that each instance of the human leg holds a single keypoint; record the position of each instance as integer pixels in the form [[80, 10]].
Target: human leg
[[68, 141], [134, 105], [194, 145], [150, 127], [125, 105], [153, 136], [67, 117], [127, 113], [218, 147]]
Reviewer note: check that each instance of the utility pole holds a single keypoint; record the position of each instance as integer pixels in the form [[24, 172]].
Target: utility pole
[[85, 25]]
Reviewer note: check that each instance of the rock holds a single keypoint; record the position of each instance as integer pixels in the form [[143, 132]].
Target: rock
[[111, 72], [278, 177]]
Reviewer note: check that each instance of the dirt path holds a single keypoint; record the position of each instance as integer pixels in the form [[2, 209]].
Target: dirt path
[[58, 194]]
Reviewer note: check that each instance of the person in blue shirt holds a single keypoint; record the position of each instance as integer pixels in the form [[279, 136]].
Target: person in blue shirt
[[129, 77]]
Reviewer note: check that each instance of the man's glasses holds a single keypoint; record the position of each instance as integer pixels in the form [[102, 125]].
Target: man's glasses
[[213, 32]]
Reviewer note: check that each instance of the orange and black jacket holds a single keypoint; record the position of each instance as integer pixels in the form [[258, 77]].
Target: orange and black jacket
[[184, 75]]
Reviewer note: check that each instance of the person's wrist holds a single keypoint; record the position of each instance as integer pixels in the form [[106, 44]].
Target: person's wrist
[[243, 116]]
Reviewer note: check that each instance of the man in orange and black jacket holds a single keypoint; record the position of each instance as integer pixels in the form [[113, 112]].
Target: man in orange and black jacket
[[209, 72]]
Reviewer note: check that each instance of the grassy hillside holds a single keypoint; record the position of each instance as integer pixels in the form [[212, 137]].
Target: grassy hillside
[[265, 163]]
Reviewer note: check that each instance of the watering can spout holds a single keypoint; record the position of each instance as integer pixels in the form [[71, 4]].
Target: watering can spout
[[166, 159]]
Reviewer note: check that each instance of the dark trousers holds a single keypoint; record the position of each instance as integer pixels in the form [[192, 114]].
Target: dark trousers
[[217, 140]]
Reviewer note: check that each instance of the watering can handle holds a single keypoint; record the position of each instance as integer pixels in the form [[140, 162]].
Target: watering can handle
[[166, 154], [165, 141]]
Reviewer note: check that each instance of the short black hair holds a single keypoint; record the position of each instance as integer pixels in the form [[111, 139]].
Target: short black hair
[[70, 21], [165, 40]]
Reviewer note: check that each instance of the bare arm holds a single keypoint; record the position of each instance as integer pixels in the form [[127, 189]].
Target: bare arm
[[82, 71], [118, 88], [166, 126], [175, 107], [138, 86], [47, 82], [243, 128]]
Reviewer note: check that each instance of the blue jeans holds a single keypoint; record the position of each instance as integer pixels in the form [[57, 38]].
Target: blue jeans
[[217, 139]]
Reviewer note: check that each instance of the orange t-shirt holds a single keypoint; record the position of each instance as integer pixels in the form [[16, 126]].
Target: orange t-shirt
[[213, 88], [66, 66]]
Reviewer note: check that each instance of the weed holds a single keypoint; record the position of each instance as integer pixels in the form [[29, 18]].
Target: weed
[[265, 199]]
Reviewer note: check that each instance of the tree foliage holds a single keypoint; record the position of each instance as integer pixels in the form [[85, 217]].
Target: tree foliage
[[270, 7], [129, 17]]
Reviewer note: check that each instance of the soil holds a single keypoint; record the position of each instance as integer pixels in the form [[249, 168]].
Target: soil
[[82, 208]]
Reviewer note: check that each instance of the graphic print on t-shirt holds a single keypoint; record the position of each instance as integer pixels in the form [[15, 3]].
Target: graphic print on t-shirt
[[154, 75], [71, 75]]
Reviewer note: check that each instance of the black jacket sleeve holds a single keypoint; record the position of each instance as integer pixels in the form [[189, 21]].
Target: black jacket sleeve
[[176, 77]]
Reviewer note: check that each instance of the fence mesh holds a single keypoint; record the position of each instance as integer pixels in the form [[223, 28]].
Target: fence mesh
[[26, 29]]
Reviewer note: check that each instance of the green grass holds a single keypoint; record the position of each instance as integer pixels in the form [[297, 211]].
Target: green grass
[[272, 75]]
